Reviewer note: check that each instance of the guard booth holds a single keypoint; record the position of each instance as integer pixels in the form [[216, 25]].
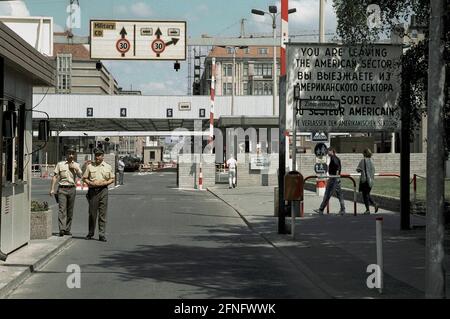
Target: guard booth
[[21, 68]]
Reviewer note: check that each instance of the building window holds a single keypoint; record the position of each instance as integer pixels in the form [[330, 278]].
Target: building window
[[263, 88], [258, 69], [226, 89], [64, 73], [263, 51], [227, 70], [263, 70], [267, 70], [259, 88], [267, 88], [247, 50], [229, 50], [245, 70], [152, 155], [245, 88]]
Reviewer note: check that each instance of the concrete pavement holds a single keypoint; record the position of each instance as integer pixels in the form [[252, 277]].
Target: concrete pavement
[[334, 251], [168, 243]]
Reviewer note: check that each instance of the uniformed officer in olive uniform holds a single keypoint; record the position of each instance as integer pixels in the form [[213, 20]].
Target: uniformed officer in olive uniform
[[65, 175], [98, 176]]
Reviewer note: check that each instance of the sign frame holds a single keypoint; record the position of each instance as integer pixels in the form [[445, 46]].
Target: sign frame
[[364, 108], [133, 41]]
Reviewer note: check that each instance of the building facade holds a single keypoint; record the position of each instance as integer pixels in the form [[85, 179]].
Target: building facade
[[253, 71], [76, 72]]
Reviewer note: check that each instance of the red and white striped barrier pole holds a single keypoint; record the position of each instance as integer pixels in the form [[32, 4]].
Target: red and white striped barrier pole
[[213, 95], [284, 38]]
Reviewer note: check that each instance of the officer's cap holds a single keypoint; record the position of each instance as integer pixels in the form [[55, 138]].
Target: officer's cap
[[99, 151]]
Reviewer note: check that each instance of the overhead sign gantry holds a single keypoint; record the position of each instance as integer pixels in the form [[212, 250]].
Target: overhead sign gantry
[[138, 40]]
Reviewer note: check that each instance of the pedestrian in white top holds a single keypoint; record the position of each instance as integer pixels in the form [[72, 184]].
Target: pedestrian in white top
[[231, 164], [121, 169]]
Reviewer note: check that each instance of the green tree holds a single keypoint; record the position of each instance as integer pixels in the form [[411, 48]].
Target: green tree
[[353, 28]]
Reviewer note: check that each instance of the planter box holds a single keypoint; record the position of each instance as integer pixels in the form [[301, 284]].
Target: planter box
[[41, 225]]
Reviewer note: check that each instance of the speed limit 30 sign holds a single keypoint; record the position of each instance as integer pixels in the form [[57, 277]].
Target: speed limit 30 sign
[[123, 46], [158, 46]]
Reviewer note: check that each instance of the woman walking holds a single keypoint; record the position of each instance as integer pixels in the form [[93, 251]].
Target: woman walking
[[367, 170]]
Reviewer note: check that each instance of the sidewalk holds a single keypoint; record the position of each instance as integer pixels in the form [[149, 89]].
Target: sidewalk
[[334, 251], [28, 259]]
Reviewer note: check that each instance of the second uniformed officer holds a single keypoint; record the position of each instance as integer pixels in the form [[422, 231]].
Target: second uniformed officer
[[98, 176]]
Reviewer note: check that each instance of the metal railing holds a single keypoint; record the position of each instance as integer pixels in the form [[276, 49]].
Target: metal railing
[[350, 176]]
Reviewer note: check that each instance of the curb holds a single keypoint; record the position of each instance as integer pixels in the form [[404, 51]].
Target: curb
[[24, 274], [307, 272]]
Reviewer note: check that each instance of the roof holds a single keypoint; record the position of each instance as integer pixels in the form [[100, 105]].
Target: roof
[[253, 53], [78, 51], [25, 58]]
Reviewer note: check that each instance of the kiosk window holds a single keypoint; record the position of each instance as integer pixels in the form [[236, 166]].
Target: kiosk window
[[13, 138]]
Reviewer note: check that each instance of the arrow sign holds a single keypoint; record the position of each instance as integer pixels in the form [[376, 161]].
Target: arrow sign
[[158, 33], [174, 41], [123, 33]]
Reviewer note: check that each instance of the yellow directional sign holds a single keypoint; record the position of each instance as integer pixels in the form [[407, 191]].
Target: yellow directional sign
[[138, 40]]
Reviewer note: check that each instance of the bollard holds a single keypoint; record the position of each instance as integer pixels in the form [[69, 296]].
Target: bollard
[[200, 178], [292, 220], [379, 240], [320, 187], [79, 186]]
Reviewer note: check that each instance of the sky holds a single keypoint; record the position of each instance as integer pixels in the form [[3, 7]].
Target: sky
[[211, 17]]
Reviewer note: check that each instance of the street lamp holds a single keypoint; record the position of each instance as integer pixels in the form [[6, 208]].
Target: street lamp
[[273, 13]]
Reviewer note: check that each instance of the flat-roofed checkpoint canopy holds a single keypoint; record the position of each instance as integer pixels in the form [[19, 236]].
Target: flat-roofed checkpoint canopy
[[85, 113]]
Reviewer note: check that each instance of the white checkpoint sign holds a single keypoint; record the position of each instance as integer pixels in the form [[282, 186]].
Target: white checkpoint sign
[[138, 40], [361, 83]]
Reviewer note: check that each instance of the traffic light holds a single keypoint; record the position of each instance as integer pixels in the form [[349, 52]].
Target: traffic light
[[196, 88]]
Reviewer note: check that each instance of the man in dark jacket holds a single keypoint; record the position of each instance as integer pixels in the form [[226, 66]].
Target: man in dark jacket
[[334, 183]]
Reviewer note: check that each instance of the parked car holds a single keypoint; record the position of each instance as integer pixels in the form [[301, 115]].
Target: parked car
[[131, 163]]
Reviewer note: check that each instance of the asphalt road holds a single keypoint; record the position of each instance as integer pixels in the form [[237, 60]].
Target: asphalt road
[[165, 243]]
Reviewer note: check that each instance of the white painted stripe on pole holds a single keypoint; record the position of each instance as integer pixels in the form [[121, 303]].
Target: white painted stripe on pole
[[379, 240]]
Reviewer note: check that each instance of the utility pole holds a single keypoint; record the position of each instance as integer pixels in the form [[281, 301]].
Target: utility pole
[[435, 263], [274, 71]]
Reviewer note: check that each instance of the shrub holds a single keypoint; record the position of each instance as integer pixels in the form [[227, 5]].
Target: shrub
[[37, 206]]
